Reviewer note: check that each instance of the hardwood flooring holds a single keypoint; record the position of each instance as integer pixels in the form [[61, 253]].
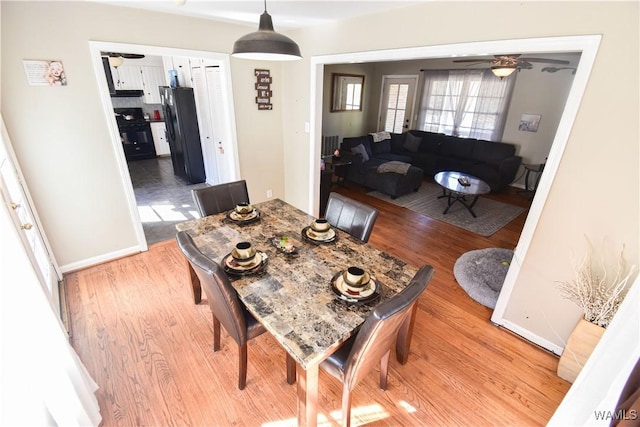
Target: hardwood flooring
[[150, 349]]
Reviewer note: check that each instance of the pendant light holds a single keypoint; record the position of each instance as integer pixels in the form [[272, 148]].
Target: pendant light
[[265, 44]]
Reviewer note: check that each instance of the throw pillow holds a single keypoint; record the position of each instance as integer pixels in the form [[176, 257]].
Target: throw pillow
[[412, 143], [359, 149]]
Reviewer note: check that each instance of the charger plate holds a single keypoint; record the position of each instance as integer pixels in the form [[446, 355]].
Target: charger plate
[[231, 266], [312, 236], [238, 218], [368, 294]]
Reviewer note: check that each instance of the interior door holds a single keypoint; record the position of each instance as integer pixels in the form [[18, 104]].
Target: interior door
[[207, 129], [15, 195], [397, 103], [224, 156]]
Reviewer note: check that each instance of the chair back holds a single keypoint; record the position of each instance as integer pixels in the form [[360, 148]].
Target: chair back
[[220, 198], [223, 299], [379, 331], [351, 216]]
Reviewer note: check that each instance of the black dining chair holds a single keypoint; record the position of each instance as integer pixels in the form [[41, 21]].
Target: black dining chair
[[226, 307], [359, 355], [351, 216], [220, 198]]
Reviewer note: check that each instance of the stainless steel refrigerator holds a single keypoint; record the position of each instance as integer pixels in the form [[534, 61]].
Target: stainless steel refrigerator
[[183, 135]]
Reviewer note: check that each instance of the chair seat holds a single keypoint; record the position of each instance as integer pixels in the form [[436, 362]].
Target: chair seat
[[254, 328], [335, 364]]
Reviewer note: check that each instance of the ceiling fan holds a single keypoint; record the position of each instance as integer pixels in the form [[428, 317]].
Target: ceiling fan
[[504, 65], [116, 58]]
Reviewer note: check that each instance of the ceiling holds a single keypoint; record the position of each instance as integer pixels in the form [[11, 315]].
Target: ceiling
[[287, 14]]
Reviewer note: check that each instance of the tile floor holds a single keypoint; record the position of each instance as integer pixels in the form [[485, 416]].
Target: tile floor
[[163, 199]]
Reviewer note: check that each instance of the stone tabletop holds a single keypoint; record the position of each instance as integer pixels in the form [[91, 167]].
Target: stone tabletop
[[292, 297]]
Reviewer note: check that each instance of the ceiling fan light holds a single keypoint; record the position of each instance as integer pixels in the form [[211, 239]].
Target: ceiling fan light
[[501, 71], [116, 61], [265, 44]]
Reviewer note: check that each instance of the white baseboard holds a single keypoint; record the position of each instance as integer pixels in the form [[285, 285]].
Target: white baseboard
[[88, 262], [530, 336]]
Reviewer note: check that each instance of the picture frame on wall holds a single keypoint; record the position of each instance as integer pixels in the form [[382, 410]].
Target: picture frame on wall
[[529, 122], [45, 72]]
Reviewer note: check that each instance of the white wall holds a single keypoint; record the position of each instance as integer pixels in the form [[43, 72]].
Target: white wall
[[348, 123], [539, 93]]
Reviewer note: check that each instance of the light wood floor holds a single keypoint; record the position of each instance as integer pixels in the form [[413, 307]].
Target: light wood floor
[[149, 347]]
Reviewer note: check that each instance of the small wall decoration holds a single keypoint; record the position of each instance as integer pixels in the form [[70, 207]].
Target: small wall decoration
[[263, 89], [45, 72], [529, 122]]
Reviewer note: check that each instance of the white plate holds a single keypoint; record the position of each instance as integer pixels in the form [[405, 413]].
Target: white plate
[[320, 237], [243, 217], [366, 291]]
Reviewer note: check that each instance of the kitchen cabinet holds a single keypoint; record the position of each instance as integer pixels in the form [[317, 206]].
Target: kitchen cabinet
[[158, 130], [152, 78], [127, 77]]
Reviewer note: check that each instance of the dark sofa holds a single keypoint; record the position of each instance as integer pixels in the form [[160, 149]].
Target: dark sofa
[[493, 162]]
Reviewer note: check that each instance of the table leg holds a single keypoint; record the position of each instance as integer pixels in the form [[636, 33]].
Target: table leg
[[196, 290], [403, 342], [308, 395]]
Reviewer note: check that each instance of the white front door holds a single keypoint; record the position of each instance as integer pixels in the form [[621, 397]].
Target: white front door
[[396, 106], [16, 196]]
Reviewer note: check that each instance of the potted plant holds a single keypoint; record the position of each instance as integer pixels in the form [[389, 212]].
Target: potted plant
[[598, 291]]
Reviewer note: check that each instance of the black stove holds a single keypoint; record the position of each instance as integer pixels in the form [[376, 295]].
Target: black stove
[[135, 133]]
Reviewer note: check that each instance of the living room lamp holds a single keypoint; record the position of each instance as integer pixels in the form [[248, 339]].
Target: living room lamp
[[265, 44], [502, 71]]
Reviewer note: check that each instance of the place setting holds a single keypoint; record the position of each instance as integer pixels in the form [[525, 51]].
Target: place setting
[[244, 260], [320, 231], [243, 213], [355, 285], [285, 245]]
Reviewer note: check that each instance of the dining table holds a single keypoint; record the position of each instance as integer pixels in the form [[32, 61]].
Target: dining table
[[293, 292]]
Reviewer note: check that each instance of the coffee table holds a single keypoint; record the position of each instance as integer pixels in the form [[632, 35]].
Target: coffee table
[[454, 190]]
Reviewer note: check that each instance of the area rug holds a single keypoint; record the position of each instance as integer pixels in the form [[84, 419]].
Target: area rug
[[491, 215], [481, 273]]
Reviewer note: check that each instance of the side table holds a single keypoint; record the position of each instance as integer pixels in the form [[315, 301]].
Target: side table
[[338, 165], [535, 169]]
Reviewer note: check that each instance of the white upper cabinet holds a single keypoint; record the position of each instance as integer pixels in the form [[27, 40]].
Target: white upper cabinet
[[152, 78], [127, 77]]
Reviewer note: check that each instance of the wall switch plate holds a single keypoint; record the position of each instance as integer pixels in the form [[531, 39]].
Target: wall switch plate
[[307, 127], [269, 193]]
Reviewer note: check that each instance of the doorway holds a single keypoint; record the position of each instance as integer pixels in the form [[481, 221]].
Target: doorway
[[586, 45], [162, 216]]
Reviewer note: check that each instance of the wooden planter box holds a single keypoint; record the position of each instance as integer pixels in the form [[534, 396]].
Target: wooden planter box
[[581, 342]]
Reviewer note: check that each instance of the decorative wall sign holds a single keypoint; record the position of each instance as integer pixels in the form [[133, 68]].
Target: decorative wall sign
[[263, 89], [529, 122], [45, 72]]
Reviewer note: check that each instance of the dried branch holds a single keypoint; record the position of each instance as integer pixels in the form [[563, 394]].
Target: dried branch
[[598, 298]]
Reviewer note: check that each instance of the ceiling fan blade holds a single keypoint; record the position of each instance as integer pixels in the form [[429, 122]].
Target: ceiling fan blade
[[546, 61], [479, 61], [123, 55]]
